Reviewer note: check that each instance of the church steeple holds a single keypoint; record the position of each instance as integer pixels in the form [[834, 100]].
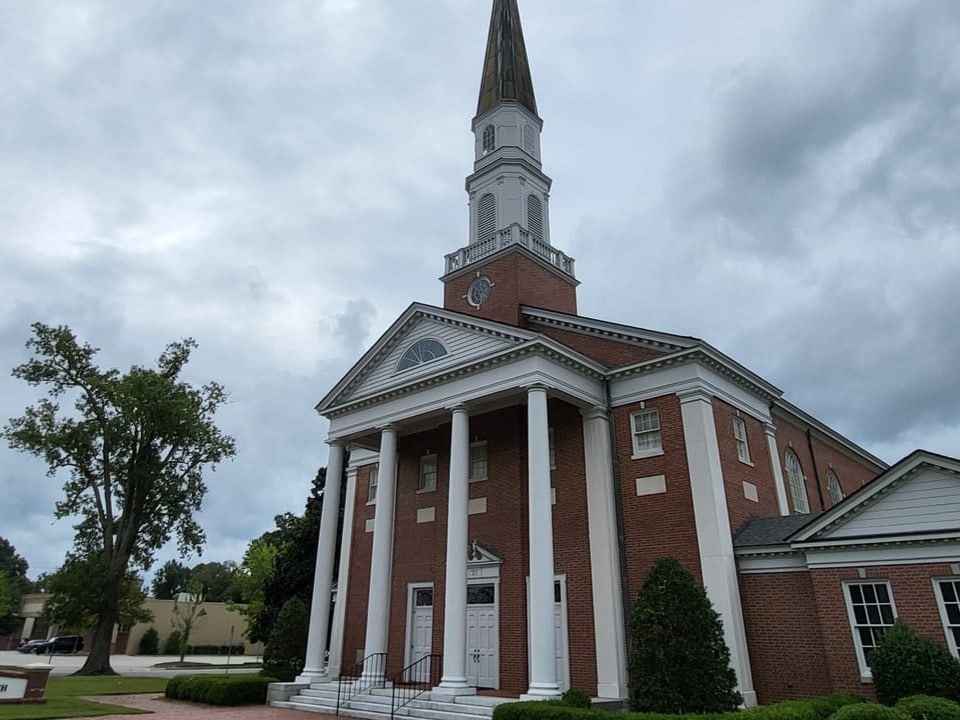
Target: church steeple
[[506, 71], [509, 256]]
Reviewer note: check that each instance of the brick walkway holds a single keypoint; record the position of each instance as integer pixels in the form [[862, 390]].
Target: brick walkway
[[164, 709]]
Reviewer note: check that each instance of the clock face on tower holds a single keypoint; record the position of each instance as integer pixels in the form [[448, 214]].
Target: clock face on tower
[[479, 291]]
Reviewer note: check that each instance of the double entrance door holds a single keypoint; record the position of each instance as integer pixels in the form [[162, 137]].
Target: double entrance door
[[483, 632]]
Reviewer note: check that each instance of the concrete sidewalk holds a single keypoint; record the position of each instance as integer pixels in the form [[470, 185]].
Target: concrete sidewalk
[[131, 664]]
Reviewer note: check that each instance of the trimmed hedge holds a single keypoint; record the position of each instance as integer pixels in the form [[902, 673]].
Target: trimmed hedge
[[815, 709], [869, 711], [216, 649], [905, 664], [219, 689], [926, 707]]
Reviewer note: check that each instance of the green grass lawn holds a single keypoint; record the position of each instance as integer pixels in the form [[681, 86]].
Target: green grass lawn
[[63, 697]]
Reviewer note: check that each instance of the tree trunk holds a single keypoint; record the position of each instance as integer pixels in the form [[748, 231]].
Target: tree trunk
[[98, 659]]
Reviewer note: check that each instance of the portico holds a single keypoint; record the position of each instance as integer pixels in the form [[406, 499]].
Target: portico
[[526, 382]]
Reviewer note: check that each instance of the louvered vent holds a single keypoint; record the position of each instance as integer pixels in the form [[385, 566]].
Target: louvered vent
[[489, 138], [528, 144], [535, 216], [486, 217]]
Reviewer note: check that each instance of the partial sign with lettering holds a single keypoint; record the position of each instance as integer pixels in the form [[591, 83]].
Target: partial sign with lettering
[[12, 688]]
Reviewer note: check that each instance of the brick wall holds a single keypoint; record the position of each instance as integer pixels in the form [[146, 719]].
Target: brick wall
[[783, 636], [608, 352], [518, 280], [663, 524], [735, 472], [852, 472], [913, 597]]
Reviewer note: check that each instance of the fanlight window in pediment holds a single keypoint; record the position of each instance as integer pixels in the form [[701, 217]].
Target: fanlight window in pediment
[[422, 351]]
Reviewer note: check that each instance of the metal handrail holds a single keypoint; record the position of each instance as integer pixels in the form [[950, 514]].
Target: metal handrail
[[415, 679], [373, 664]]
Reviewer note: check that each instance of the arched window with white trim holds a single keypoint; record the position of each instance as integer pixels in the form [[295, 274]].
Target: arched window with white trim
[[535, 216], [833, 487], [420, 352], [795, 481], [486, 216]]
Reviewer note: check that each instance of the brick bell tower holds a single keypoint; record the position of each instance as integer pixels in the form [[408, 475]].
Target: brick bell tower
[[509, 260]]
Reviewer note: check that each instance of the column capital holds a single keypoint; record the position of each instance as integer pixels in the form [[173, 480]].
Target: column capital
[[594, 412], [535, 386], [458, 407], [695, 394], [770, 429], [336, 442], [388, 427]]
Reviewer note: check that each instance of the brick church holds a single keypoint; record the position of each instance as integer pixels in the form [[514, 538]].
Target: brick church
[[514, 469]]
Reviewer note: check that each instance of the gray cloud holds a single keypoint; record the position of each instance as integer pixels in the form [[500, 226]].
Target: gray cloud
[[281, 181]]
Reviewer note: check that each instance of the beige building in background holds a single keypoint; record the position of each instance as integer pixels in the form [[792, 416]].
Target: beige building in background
[[221, 626]]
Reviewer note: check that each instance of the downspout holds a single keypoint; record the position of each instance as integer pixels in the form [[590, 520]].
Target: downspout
[[618, 511], [816, 473]]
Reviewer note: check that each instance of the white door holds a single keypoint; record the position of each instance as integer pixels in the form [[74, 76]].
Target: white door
[[420, 631], [483, 637]]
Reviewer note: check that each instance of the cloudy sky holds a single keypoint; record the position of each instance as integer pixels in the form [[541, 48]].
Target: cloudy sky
[[280, 180]]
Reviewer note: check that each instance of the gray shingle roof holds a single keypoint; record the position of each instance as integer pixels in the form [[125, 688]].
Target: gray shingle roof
[[771, 531]]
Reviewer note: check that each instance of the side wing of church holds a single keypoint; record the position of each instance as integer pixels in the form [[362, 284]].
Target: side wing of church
[[514, 470]]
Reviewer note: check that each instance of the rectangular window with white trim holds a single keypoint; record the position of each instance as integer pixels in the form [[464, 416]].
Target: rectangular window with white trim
[[646, 433], [478, 461], [948, 600], [871, 611], [740, 437], [372, 484], [428, 473]]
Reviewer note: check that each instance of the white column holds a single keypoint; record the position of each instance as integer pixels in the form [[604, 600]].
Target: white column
[[335, 660], [715, 540], [454, 681], [381, 559], [543, 662], [313, 667], [774, 452], [604, 557]]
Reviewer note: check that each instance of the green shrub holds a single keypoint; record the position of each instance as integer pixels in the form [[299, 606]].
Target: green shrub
[[868, 711], [287, 647], [538, 710], [679, 660], [925, 707], [149, 642], [575, 698], [905, 664], [220, 689], [171, 646]]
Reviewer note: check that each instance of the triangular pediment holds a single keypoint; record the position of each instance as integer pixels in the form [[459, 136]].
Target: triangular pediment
[[917, 498], [423, 342]]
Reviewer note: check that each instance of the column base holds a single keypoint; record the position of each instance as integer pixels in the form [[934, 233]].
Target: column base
[[612, 691], [749, 698], [310, 675], [542, 691], [454, 688]]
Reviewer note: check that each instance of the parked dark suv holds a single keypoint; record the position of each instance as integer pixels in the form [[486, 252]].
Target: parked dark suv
[[61, 644]]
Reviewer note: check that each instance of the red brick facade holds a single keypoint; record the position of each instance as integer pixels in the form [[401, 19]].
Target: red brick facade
[[798, 627], [517, 280]]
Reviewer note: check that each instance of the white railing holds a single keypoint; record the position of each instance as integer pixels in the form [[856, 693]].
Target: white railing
[[511, 235]]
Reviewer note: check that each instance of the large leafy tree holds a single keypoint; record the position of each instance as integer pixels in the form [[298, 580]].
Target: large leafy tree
[[75, 597], [258, 563], [133, 447], [173, 577], [13, 584], [679, 660], [218, 581]]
